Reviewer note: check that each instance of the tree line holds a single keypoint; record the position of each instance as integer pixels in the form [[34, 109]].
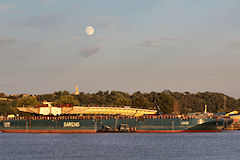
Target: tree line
[[165, 102]]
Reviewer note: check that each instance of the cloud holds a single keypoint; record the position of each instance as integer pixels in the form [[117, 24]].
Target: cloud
[[8, 85], [150, 43], [47, 2], [7, 41], [5, 6], [87, 52], [106, 22], [234, 44], [11, 46], [158, 42], [40, 22]]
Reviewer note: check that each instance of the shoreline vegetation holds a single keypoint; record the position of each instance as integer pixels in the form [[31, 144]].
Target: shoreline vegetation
[[168, 102]]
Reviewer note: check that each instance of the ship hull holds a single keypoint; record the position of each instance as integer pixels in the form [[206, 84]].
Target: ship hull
[[49, 126], [179, 125], [48, 131], [91, 125]]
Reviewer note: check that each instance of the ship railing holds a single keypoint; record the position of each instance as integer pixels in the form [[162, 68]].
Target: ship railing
[[100, 117]]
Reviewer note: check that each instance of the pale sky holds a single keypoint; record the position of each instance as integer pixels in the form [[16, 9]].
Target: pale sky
[[138, 45]]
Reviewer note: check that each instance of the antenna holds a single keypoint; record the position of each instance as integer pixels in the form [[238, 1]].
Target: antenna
[[158, 108]]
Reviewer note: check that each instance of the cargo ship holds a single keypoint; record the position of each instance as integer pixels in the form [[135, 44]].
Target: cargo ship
[[68, 119]]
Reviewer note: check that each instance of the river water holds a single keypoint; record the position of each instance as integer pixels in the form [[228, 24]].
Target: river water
[[133, 146]]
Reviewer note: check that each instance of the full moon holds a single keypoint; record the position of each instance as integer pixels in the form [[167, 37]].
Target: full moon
[[89, 30]]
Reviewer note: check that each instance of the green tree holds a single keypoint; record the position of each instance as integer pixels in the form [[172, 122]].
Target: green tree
[[46, 97], [119, 98], [27, 101], [139, 100], [166, 102], [7, 108], [66, 99]]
